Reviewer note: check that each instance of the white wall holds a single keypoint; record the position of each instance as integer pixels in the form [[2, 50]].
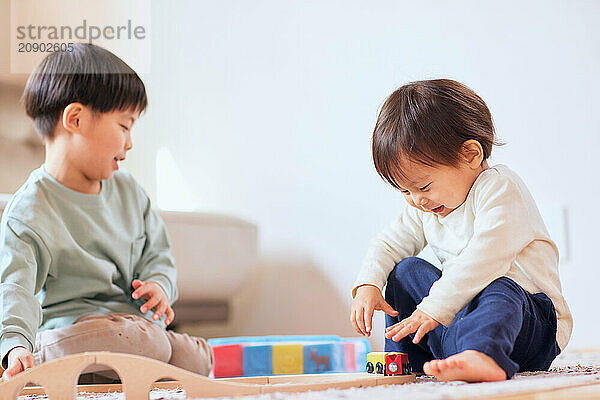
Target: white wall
[[268, 107]]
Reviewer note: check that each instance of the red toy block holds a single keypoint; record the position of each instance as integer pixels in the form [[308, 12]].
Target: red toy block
[[349, 357], [228, 360]]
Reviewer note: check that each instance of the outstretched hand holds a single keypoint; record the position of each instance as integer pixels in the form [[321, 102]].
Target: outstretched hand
[[418, 322], [156, 297], [368, 299]]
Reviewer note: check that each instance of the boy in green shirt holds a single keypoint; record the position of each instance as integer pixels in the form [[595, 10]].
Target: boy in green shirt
[[80, 244]]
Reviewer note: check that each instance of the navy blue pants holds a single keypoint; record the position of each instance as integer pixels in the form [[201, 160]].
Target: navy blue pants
[[513, 327]]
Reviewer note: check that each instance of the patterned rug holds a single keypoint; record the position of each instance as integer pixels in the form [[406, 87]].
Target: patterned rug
[[569, 369]]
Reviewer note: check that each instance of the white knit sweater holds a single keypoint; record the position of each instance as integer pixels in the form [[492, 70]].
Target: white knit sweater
[[497, 231]]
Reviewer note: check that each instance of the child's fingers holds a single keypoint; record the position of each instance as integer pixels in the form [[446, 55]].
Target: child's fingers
[[406, 328], [160, 310], [420, 333], [150, 304], [368, 319], [392, 330], [10, 372], [386, 308], [170, 315], [411, 328], [354, 321], [142, 291], [360, 321], [13, 370], [399, 336], [136, 283], [28, 361], [398, 325]]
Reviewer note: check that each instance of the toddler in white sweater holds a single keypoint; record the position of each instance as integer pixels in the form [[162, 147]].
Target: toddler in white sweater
[[496, 305]]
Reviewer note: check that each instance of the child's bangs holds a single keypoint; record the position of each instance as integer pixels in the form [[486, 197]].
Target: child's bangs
[[395, 154], [395, 169], [118, 92]]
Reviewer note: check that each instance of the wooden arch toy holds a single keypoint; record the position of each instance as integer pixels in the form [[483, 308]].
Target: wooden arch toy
[[139, 374]]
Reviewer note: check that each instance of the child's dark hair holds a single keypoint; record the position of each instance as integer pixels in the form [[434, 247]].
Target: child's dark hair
[[427, 122], [90, 75]]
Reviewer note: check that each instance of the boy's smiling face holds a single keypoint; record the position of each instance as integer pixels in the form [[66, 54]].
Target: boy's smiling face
[[105, 143], [87, 146], [440, 189]]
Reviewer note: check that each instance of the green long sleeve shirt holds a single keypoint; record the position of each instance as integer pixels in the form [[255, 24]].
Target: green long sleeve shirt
[[65, 254]]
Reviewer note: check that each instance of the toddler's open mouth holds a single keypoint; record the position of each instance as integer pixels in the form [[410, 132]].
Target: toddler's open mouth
[[439, 209]]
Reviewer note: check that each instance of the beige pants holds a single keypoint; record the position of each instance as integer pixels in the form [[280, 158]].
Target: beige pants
[[123, 333]]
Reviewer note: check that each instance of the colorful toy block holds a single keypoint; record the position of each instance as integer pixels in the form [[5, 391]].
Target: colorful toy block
[[350, 357], [228, 361], [277, 355], [288, 359], [322, 358], [258, 360], [361, 349]]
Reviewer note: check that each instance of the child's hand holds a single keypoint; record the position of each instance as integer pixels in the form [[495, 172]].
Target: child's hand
[[156, 298], [418, 322], [19, 359], [368, 298]]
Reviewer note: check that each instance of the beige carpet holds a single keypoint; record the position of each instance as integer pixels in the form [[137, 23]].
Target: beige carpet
[[569, 369]]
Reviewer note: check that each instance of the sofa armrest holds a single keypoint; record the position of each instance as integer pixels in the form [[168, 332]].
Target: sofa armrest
[[216, 255]]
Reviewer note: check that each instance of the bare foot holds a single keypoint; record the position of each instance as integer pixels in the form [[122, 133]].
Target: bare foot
[[469, 366]]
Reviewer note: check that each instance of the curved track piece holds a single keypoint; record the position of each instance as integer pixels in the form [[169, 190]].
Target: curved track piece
[[138, 374], [58, 377]]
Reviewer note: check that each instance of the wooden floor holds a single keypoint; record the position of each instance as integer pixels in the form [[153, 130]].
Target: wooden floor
[[591, 391]]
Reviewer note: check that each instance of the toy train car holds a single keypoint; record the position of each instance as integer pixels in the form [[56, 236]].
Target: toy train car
[[388, 363]]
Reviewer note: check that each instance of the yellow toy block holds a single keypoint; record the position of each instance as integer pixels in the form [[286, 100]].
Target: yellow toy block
[[288, 359]]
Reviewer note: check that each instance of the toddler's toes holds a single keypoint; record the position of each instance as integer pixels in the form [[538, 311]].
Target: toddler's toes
[[460, 363], [442, 364], [451, 363], [431, 367]]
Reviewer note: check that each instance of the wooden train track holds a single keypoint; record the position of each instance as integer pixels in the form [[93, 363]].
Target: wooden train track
[[58, 379]]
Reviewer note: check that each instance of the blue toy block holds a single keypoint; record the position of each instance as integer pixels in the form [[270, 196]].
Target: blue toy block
[[321, 358], [258, 360]]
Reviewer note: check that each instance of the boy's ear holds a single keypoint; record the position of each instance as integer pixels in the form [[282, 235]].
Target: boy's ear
[[472, 152], [73, 116]]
